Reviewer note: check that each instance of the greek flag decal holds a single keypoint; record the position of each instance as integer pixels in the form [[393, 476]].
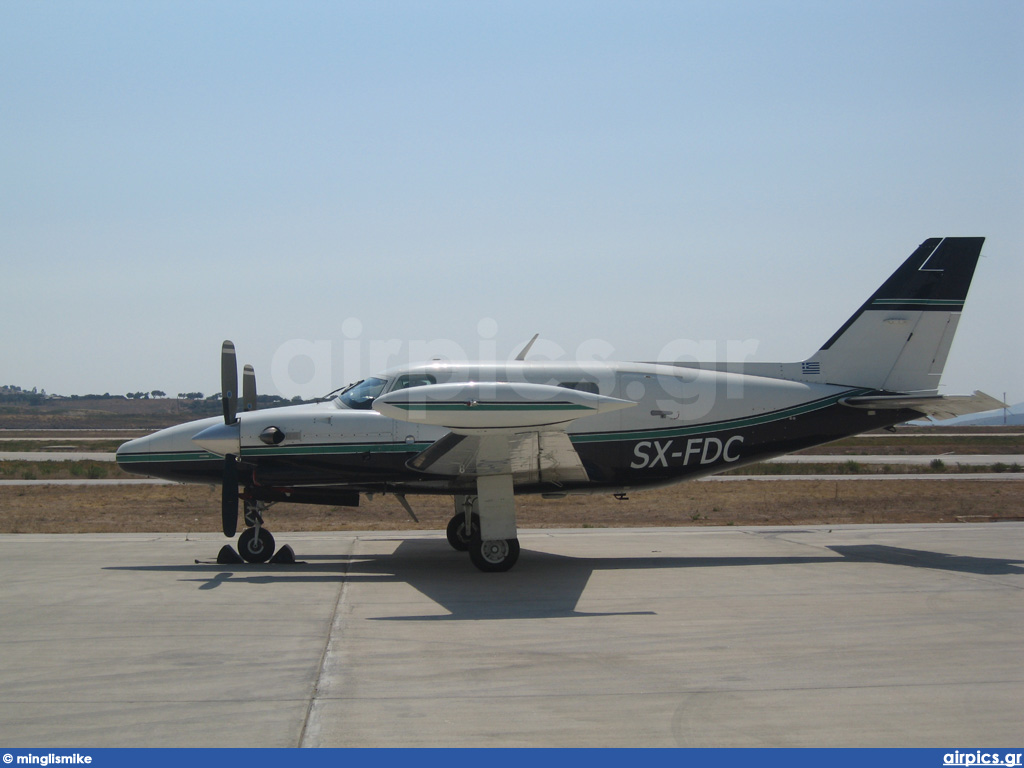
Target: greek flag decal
[[812, 369]]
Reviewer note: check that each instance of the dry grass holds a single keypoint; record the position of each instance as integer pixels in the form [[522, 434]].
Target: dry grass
[[181, 508]]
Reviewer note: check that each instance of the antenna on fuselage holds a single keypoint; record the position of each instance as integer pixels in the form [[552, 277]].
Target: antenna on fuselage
[[524, 350]]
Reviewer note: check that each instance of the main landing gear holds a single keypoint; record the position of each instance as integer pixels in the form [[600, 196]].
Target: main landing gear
[[490, 556], [458, 537], [495, 555]]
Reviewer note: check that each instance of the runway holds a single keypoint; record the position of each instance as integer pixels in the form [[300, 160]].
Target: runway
[[979, 477], [811, 636], [973, 460], [967, 459], [57, 456]]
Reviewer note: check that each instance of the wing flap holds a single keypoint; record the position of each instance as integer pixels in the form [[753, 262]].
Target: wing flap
[[531, 457], [558, 461]]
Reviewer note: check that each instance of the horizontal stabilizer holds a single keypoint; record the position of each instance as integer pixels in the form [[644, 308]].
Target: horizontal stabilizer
[[936, 406]]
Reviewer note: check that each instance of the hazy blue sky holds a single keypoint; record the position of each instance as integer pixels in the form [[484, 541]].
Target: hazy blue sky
[[376, 181]]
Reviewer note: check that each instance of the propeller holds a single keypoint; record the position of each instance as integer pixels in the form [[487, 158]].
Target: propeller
[[229, 381], [248, 389], [229, 496], [229, 395], [225, 439]]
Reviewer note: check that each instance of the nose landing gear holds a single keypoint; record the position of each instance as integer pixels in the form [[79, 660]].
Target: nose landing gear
[[256, 544]]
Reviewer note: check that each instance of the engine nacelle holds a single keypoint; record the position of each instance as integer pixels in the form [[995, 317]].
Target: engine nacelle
[[479, 405]]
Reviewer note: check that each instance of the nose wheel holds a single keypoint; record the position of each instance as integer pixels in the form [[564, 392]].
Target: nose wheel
[[256, 544]]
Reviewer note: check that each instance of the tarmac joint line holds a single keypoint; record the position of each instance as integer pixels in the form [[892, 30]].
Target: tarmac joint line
[[309, 733]]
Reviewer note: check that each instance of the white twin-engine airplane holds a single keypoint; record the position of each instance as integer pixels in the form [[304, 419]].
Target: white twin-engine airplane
[[484, 432]]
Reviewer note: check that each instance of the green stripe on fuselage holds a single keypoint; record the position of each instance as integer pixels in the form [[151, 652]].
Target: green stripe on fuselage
[[331, 450], [718, 426], [917, 302], [477, 406], [403, 447], [150, 458]]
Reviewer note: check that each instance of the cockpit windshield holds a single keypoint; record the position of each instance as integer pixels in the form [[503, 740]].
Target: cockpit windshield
[[360, 395]]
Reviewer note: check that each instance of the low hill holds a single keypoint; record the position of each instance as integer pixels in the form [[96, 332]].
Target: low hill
[[109, 412], [103, 412]]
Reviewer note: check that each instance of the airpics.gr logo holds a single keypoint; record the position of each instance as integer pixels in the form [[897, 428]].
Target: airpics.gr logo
[[978, 757]]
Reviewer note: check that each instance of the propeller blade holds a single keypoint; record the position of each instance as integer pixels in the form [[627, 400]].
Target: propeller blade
[[229, 381], [229, 496], [248, 389]]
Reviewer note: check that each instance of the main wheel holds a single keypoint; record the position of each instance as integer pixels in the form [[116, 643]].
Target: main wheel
[[256, 549], [457, 535], [494, 555]]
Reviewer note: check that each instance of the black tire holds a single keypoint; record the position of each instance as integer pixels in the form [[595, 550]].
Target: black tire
[[255, 549], [457, 532], [493, 556]]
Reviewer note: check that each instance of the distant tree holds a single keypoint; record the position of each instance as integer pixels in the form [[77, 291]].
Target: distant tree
[[158, 393]]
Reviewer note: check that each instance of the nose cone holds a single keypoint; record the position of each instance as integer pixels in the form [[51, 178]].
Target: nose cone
[[169, 453], [221, 439], [131, 455]]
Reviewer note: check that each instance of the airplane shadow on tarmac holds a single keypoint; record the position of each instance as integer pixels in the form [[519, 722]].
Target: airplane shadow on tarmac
[[542, 585]]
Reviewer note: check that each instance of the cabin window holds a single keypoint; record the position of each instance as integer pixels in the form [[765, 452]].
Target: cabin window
[[409, 380], [582, 386], [361, 395]]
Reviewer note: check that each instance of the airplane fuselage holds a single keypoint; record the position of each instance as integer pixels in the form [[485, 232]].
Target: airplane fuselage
[[686, 423]]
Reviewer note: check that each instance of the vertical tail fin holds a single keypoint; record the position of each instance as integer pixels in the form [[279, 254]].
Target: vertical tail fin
[[899, 339]]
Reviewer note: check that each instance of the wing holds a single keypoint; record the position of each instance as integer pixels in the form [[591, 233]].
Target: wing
[[502, 434], [499, 428]]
